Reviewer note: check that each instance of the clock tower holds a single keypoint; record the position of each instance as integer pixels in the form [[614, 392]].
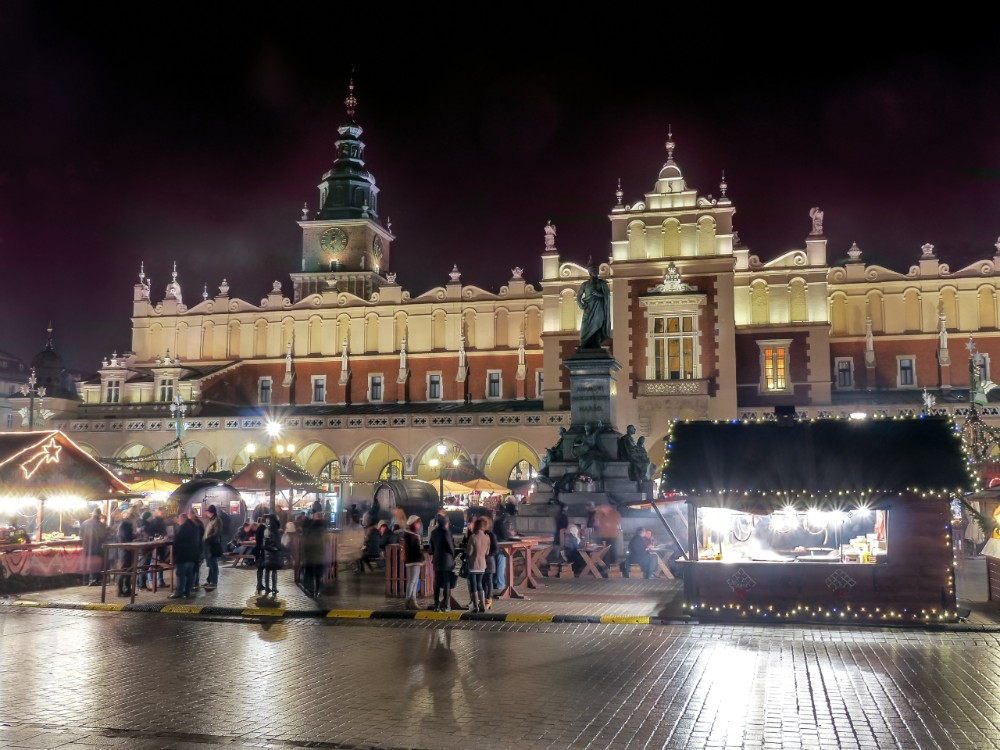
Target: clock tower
[[345, 248]]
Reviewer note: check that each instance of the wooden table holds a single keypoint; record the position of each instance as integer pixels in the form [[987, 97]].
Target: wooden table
[[134, 571], [524, 548], [593, 555], [663, 551]]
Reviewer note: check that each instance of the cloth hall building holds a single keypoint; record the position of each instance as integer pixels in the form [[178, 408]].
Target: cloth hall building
[[369, 378]]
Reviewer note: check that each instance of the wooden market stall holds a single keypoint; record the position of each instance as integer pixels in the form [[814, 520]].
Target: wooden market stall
[[47, 478], [295, 488], [846, 520]]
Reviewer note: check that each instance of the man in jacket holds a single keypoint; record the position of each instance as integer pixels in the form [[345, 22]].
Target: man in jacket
[[213, 547], [443, 558], [187, 552], [313, 552], [126, 533]]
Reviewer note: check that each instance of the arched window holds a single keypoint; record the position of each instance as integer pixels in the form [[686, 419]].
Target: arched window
[[797, 308], [706, 236], [838, 315], [759, 312], [392, 470], [987, 308], [671, 238], [911, 310], [330, 474]]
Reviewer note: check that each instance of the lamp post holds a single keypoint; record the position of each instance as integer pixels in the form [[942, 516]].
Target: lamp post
[[178, 409], [276, 449], [32, 390]]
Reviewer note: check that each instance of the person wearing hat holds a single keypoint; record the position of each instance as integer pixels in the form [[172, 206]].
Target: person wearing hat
[[213, 546], [93, 535], [413, 558]]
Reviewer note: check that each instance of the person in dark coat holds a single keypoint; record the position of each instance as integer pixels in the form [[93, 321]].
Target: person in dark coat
[[157, 528], [443, 558], [126, 533], [258, 551], [146, 556], [187, 553], [93, 535], [273, 554], [562, 523], [313, 552], [370, 553]]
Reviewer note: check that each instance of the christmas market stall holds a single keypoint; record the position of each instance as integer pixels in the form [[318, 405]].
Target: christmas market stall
[[292, 486], [47, 485], [846, 520]]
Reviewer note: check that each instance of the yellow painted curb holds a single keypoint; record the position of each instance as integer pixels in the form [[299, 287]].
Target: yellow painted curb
[[528, 618], [105, 607], [266, 611], [438, 616], [359, 614], [23, 603], [183, 609], [625, 619]]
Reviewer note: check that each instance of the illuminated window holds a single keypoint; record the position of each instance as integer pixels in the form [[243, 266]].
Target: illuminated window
[[264, 391], [434, 386], [675, 347], [374, 387], [845, 372], [319, 389], [113, 394], [774, 359], [493, 384], [167, 389], [906, 371]]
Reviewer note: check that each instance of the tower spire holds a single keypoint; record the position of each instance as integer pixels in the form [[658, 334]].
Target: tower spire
[[670, 144], [350, 102]]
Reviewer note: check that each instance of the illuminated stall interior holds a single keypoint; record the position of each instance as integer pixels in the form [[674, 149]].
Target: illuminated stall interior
[[819, 518]]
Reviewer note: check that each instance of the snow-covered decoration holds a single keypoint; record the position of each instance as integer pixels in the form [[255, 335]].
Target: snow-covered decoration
[[929, 401]]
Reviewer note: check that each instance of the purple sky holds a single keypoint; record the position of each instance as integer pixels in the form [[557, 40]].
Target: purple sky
[[197, 138]]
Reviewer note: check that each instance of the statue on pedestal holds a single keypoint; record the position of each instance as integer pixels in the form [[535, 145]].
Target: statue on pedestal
[[587, 450], [594, 298]]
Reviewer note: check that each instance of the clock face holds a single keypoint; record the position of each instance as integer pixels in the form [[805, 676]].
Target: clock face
[[377, 248], [333, 240]]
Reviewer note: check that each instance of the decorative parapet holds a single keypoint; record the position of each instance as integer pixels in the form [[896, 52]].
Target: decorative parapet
[[673, 387]]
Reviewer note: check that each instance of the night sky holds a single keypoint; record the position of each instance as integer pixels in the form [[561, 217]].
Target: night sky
[[198, 136]]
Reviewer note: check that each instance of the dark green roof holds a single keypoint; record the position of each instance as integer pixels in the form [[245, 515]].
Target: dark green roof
[[820, 457]]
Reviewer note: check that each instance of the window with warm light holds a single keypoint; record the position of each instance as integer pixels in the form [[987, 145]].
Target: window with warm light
[[674, 340], [774, 361]]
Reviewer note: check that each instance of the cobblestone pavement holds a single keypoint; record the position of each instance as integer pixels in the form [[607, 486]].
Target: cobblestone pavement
[[98, 679]]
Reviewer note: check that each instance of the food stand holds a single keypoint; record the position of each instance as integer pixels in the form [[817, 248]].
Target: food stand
[[831, 520], [45, 472], [294, 487]]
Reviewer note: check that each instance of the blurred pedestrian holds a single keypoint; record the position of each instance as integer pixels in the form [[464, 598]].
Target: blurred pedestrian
[[187, 552], [413, 559], [126, 533], [491, 559], [93, 535], [200, 525], [213, 547], [272, 554], [476, 550], [313, 552], [157, 529], [443, 557]]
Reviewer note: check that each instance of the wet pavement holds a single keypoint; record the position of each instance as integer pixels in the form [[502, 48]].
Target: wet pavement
[[201, 681]]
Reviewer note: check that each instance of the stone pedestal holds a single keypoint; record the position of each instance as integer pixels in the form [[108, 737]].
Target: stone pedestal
[[591, 387]]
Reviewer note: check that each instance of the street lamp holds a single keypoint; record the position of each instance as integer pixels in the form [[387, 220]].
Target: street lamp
[[438, 463], [32, 390], [276, 449], [177, 410]]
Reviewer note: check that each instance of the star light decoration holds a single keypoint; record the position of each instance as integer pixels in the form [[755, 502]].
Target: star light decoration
[[47, 454]]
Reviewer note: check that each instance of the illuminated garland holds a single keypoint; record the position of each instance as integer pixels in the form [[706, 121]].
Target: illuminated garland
[[847, 613]]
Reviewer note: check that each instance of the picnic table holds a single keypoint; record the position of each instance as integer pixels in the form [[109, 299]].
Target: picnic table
[[135, 570], [522, 547], [663, 552]]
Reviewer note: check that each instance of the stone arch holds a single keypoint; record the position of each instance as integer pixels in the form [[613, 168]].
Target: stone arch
[[911, 310], [706, 236], [798, 308], [949, 301], [371, 333], [838, 314], [502, 457], [135, 450], [469, 318], [260, 338], [367, 464], [315, 335], [314, 456], [987, 302], [424, 466], [760, 312], [532, 327], [439, 330], [501, 323], [568, 318], [671, 238], [234, 340], [88, 449], [636, 240], [876, 309], [200, 455]]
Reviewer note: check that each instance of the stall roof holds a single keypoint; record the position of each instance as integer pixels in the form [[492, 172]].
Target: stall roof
[[46, 463], [820, 457], [289, 475]]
